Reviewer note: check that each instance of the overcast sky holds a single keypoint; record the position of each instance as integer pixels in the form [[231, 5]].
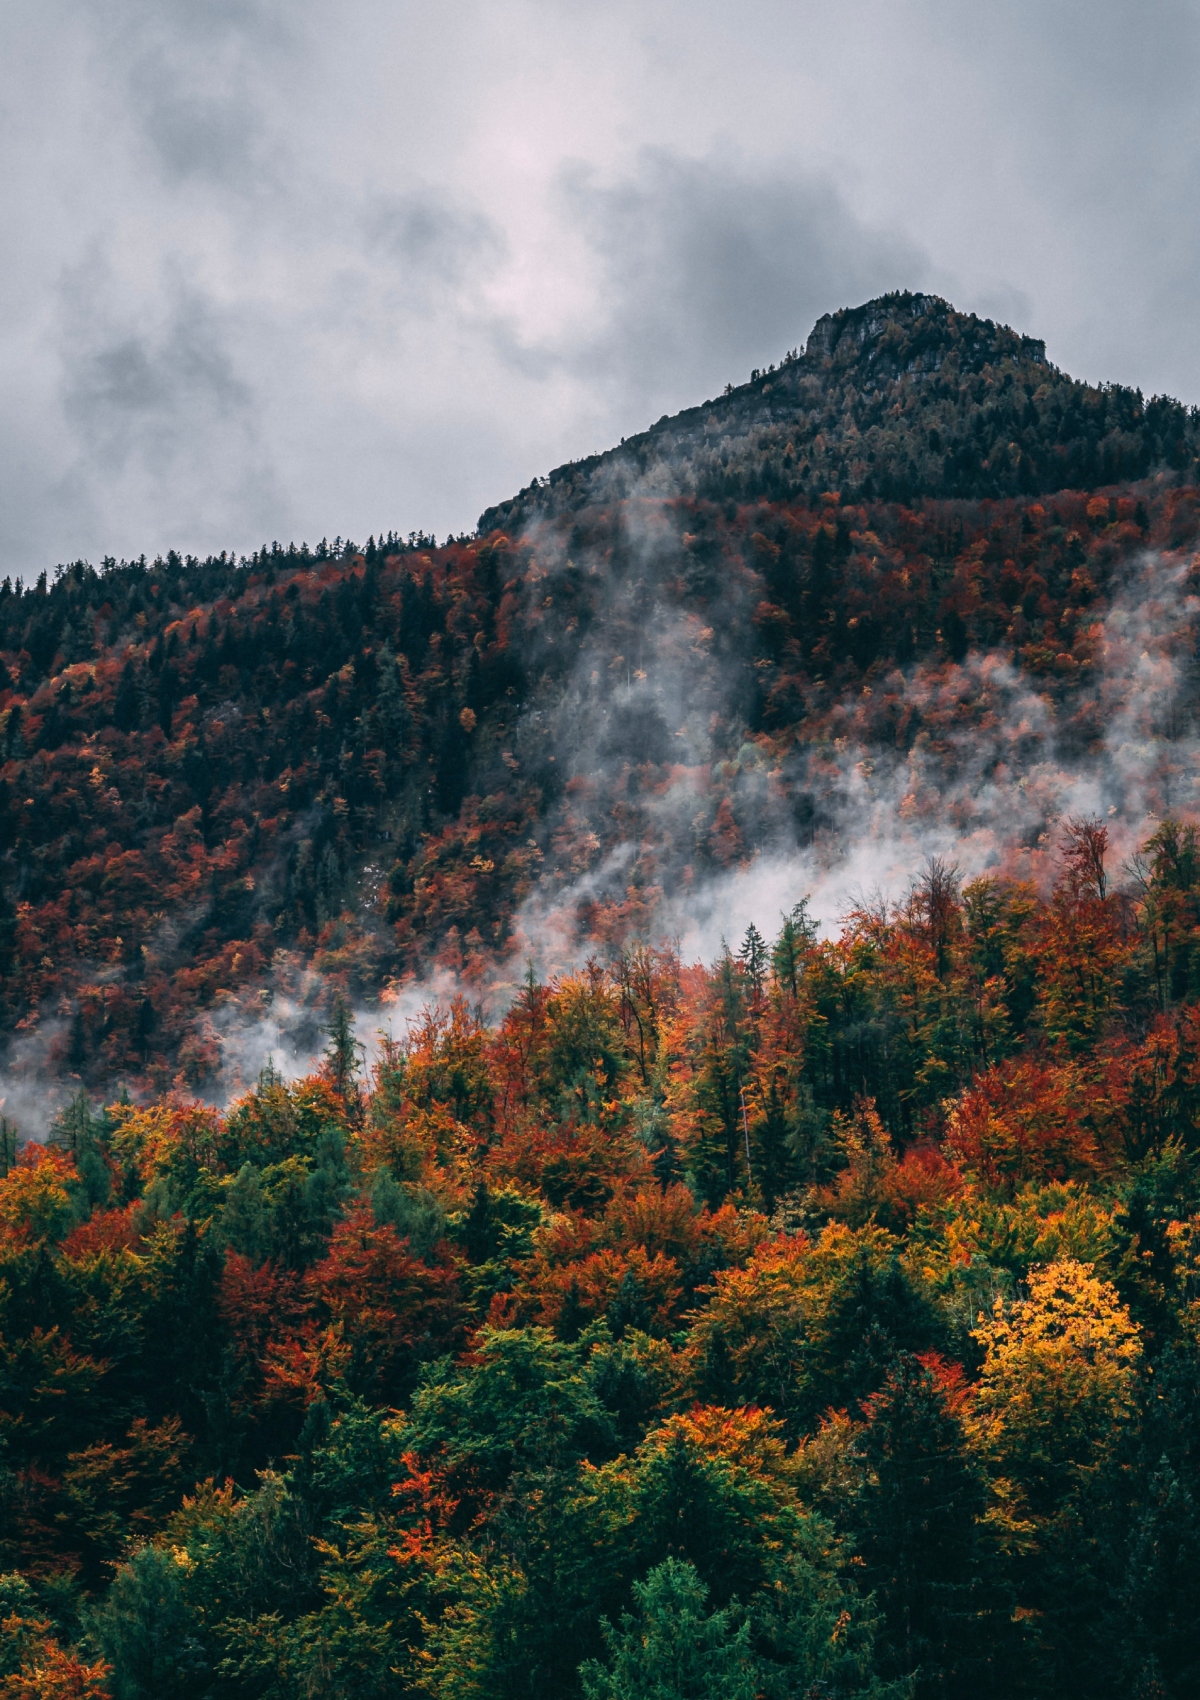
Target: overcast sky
[[291, 268]]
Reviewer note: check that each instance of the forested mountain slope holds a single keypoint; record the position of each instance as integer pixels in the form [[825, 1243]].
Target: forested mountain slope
[[219, 775], [816, 1321], [900, 399]]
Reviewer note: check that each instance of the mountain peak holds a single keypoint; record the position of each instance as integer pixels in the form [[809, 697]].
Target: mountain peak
[[902, 398], [907, 332]]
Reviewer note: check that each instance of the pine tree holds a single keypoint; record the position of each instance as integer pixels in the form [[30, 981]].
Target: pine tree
[[343, 1051], [1159, 1588], [752, 954], [8, 1145], [919, 1534], [771, 1157], [797, 934], [674, 1649]]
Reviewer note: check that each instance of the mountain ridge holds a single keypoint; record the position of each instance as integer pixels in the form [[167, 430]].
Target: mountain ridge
[[1004, 433]]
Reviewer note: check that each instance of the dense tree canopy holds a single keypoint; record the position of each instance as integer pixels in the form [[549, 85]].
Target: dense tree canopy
[[627, 1347]]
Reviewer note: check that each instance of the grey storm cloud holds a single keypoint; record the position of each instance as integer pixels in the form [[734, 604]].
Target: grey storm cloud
[[431, 243], [191, 79], [143, 395], [132, 391], [215, 137], [712, 265], [293, 269]]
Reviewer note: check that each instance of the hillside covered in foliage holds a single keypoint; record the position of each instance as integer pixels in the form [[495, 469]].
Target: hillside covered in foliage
[[232, 786], [821, 1320], [824, 1322]]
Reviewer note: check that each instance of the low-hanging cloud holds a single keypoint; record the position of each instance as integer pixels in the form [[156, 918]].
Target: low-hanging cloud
[[988, 792], [1007, 761]]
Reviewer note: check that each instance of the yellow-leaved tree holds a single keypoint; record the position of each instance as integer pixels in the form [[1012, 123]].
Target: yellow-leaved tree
[[1057, 1390]]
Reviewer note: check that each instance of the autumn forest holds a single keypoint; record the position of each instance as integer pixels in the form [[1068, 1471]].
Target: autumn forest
[[581, 1316]]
